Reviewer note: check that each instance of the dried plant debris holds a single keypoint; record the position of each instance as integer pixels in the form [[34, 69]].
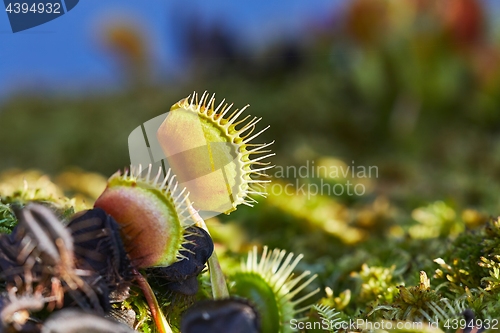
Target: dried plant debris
[[16, 308], [99, 248], [44, 268]]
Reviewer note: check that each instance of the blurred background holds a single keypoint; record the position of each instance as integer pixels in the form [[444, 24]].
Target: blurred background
[[411, 87]]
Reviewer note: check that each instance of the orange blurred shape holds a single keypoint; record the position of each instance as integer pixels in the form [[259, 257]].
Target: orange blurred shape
[[366, 20], [486, 64], [127, 42], [464, 21]]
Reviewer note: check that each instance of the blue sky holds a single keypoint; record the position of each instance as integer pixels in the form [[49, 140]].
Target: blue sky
[[66, 53]]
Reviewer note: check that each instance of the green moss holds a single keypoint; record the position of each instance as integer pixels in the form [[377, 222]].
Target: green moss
[[7, 219]]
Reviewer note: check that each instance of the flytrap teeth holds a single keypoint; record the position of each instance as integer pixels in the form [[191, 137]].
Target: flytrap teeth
[[228, 134], [270, 283]]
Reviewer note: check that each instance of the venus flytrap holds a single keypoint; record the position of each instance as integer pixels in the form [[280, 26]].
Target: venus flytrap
[[158, 217], [155, 216], [153, 219], [152, 214], [209, 150], [192, 123], [271, 285]]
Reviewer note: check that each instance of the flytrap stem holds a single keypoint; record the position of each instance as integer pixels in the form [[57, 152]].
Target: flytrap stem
[[160, 320], [219, 287], [217, 279]]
